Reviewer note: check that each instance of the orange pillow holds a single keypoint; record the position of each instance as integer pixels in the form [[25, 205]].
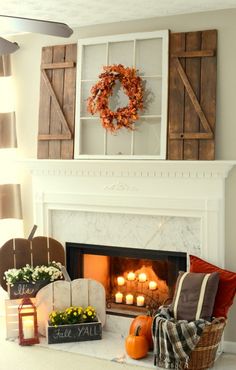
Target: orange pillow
[[227, 285]]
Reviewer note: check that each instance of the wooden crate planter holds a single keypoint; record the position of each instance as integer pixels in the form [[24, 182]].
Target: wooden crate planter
[[74, 332], [24, 289]]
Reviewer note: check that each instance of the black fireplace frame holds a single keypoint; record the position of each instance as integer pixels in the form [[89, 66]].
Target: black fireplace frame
[[75, 250]]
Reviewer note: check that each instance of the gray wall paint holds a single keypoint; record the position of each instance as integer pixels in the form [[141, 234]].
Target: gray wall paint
[[26, 67]]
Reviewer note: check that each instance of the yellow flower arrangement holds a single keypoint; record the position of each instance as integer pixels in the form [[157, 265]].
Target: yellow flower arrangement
[[73, 315], [89, 313]]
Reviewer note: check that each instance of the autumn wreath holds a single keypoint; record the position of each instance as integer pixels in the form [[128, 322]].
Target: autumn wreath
[[102, 90]]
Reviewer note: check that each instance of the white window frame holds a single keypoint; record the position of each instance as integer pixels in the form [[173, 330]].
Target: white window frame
[[164, 35]]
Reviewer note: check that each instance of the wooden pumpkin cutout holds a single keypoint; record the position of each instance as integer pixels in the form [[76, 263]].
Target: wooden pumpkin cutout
[[63, 294], [41, 250]]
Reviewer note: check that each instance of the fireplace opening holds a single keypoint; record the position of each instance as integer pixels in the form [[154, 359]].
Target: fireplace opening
[[135, 280]]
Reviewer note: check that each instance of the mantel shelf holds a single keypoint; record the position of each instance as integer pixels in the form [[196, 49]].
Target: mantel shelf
[[130, 168]]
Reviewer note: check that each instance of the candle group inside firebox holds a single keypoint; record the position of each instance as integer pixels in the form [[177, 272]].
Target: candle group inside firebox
[[125, 285]]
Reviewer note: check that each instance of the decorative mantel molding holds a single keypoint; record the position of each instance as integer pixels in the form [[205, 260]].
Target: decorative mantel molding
[[131, 168], [120, 186]]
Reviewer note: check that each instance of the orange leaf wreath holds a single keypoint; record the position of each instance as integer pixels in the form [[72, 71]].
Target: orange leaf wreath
[[102, 90]]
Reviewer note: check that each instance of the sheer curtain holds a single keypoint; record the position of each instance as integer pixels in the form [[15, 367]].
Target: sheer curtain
[[11, 223]]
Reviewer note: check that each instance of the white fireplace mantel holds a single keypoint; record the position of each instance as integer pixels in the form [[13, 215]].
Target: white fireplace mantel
[[129, 168], [115, 189]]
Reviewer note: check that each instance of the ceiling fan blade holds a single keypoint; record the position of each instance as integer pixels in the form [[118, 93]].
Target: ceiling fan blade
[[37, 26], [7, 47]]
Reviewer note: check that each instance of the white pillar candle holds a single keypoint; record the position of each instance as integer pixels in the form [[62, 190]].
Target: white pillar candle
[[140, 300], [131, 276], [118, 297], [120, 280], [152, 285], [129, 299], [142, 277], [28, 327]]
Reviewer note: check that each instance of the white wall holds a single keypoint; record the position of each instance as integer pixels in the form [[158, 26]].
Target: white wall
[[26, 67]]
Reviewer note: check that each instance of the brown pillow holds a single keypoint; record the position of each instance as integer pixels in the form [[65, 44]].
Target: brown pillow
[[194, 296]]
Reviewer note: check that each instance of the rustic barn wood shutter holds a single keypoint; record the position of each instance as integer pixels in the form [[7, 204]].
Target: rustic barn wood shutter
[[192, 95], [57, 102]]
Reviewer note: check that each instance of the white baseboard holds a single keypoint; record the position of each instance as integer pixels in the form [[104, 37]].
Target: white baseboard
[[229, 347]]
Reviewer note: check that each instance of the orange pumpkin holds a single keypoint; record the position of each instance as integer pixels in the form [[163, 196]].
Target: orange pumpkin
[[145, 322], [136, 345]]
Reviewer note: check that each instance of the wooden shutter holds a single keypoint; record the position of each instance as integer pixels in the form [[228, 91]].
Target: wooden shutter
[[57, 102], [192, 95]]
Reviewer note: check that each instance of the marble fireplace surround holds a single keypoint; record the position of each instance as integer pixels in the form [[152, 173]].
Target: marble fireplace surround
[[163, 205]]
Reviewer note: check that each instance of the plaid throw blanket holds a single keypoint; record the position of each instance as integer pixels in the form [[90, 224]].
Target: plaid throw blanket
[[174, 340]]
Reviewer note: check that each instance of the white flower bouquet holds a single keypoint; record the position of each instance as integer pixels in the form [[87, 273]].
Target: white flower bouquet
[[31, 274], [27, 280]]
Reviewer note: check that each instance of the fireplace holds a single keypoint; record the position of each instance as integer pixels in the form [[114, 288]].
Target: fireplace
[[135, 280], [175, 206]]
